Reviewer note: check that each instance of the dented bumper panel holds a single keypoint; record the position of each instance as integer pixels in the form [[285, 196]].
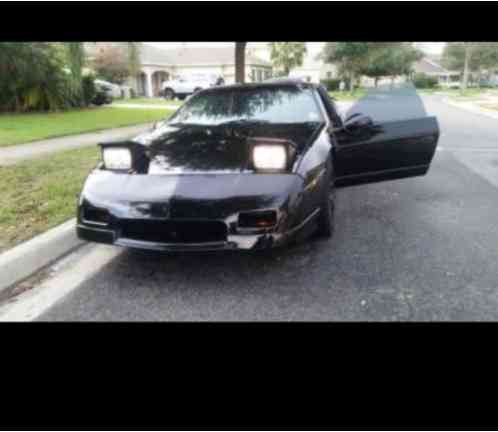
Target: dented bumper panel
[[189, 212]]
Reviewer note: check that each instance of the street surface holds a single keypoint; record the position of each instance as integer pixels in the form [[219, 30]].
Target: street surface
[[415, 249]]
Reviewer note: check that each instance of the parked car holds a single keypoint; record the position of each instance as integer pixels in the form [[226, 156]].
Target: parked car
[[244, 167], [103, 94], [184, 86], [114, 90]]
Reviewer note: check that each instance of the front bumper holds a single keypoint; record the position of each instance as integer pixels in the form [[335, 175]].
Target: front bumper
[[136, 200], [233, 242]]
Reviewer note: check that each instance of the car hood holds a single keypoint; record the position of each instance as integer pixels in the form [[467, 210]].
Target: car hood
[[214, 149]]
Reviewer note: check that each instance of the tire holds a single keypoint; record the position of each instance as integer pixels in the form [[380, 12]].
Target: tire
[[325, 221], [169, 94]]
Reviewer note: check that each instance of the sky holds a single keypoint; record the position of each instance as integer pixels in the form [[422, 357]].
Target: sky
[[313, 47]]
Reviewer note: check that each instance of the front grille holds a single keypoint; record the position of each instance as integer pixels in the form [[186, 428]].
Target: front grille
[[175, 231]]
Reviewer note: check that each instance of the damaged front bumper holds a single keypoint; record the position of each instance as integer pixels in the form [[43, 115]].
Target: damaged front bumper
[[190, 213]]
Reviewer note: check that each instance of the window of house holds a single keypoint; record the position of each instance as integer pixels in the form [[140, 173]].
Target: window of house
[[329, 75]]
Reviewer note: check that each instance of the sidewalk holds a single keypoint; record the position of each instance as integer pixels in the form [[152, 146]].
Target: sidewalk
[[142, 106], [14, 154], [472, 107]]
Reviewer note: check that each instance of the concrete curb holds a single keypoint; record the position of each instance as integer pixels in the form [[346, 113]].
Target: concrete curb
[[29, 257]]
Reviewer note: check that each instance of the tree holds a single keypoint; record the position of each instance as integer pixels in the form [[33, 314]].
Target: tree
[[470, 57], [134, 49], [240, 61], [112, 64], [390, 59], [76, 58], [350, 57], [287, 55], [38, 77]]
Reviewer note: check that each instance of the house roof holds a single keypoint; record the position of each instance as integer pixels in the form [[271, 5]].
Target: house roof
[[429, 66], [194, 56]]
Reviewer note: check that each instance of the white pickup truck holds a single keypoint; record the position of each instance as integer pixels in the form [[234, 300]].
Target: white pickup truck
[[184, 86]]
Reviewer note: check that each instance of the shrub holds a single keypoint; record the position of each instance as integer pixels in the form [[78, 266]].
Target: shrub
[[424, 81], [89, 89], [38, 78], [331, 84]]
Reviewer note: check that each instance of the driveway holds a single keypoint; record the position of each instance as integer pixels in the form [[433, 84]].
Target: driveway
[[414, 249]]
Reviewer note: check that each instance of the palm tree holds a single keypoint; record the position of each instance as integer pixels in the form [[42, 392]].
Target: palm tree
[[240, 61], [134, 49], [76, 57], [287, 55]]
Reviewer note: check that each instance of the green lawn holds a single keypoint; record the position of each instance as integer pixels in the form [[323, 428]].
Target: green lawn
[[145, 101], [39, 194], [23, 128], [348, 96]]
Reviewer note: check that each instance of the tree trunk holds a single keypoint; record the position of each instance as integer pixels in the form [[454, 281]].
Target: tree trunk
[[240, 62], [376, 81], [466, 68]]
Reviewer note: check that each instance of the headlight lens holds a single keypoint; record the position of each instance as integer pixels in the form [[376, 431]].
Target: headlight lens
[[272, 157], [117, 158]]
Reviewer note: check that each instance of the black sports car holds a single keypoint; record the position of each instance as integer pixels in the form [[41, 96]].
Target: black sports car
[[244, 167]]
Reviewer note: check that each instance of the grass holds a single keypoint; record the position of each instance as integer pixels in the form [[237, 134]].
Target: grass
[[348, 96], [145, 101], [23, 128], [39, 194]]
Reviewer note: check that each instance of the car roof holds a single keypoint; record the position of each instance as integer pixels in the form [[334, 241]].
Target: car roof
[[272, 83]]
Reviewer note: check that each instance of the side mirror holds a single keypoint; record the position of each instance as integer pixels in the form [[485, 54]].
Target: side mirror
[[357, 123]]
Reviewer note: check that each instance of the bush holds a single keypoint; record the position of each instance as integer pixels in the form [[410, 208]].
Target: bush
[[38, 78], [89, 89], [331, 84], [424, 81]]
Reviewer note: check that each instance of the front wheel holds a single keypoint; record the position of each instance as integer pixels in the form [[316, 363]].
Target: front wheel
[[327, 208], [169, 94]]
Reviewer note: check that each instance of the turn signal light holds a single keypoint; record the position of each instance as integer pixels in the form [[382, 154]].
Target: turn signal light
[[258, 219]]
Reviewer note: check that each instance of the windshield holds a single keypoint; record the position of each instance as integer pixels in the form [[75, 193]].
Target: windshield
[[270, 104]]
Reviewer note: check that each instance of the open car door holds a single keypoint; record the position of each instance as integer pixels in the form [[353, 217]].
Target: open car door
[[368, 152]]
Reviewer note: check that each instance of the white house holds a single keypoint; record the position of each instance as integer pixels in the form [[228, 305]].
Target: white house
[[445, 77], [159, 65]]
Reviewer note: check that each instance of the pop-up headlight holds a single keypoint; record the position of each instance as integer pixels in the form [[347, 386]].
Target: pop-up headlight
[[271, 154], [117, 158], [270, 157]]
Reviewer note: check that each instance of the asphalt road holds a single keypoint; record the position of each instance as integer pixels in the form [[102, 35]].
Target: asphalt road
[[414, 249]]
